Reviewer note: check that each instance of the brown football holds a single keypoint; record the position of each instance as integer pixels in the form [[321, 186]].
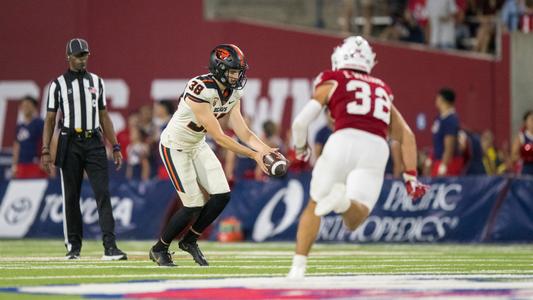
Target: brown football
[[276, 163]]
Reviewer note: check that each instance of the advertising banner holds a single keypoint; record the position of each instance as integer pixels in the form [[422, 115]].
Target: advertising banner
[[463, 209], [34, 208]]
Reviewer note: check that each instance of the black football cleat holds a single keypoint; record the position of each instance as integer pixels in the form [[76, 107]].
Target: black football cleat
[[161, 258], [194, 251], [114, 253], [73, 254]]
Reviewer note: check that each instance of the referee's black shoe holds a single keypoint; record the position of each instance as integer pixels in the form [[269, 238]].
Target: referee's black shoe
[[192, 248], [161, 258], [114, 253], [73, 254]]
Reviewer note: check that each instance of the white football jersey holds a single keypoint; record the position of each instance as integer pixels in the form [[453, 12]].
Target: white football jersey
[[184, 131]]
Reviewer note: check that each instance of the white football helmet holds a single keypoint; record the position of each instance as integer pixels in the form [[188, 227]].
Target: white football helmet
[[354, 53]]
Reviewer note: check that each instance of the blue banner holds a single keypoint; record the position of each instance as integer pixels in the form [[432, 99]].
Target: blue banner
[[34, 208], [269, 210], [453, 210], [463, 209], [514, 219], [456, 209]]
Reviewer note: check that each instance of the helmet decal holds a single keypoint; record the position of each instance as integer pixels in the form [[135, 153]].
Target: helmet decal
[[222, 53]]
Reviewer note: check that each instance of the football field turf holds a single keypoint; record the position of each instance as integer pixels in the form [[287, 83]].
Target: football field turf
[[32, 269]]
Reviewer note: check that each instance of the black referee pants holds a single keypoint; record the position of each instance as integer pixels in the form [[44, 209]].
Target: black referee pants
[[89, 154]]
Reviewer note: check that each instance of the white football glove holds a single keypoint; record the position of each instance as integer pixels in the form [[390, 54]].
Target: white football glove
[[303, 153]]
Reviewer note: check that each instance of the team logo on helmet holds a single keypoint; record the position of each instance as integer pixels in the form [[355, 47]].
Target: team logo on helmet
[[222, 53]]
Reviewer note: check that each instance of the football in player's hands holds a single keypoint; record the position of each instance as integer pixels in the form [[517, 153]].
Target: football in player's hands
[[277, 165]]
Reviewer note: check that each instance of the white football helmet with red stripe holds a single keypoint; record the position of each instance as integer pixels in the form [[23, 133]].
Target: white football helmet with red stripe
[[354, 53]]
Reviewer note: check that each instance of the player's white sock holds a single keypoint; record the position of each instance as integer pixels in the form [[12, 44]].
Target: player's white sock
[[299, 264], [299, 260]]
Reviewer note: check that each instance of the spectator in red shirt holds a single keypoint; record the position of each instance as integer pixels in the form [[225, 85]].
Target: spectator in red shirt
[[123, 137]]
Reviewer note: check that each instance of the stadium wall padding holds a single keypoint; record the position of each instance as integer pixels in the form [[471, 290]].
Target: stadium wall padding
[[146, 50], [463, 209]]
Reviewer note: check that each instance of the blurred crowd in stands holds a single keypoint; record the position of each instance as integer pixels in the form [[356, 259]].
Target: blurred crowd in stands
[[446, 24], [461, 151]]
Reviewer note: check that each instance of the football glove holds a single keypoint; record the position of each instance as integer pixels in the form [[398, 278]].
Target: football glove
[[303, 153], [415, 189]]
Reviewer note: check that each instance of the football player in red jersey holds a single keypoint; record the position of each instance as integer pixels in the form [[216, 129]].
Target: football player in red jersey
[[348, 175]]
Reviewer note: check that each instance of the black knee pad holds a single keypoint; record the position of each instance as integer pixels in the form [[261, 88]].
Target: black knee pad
[[221, 198], [217, 202], [212, 209], [191, 212]]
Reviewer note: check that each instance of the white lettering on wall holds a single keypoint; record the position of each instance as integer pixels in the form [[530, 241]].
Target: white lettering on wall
[[257, 107], [118, 95]]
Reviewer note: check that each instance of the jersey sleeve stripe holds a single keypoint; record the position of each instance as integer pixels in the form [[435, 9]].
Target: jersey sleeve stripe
[[196, 99]]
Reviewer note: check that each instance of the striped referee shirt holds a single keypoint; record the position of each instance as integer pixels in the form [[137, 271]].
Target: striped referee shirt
[[80, 95]]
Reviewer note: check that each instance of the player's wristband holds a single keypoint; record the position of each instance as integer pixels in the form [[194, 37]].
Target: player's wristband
[[116, 148], [409, 175]]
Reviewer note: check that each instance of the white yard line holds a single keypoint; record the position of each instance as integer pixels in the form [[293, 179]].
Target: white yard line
[[286, 266], [508, 274], [252, 258], [314, 260], [242, 254]]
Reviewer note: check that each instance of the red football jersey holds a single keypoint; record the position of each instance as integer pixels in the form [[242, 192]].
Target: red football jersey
[[359, 101]]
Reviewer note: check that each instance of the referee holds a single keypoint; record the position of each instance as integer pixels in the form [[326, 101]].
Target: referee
[[81, 97]]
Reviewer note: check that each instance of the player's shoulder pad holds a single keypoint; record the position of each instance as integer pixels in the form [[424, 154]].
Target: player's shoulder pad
[[199, 89], [327, 75], [238, 93], [207, 80]]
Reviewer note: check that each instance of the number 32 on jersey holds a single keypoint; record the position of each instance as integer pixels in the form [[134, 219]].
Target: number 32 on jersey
[[363, 100]]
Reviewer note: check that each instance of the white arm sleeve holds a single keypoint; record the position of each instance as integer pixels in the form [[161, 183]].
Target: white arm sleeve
[[299, 127]]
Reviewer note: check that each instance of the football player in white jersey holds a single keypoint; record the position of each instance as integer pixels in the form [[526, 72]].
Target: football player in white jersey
[[188, 159]]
